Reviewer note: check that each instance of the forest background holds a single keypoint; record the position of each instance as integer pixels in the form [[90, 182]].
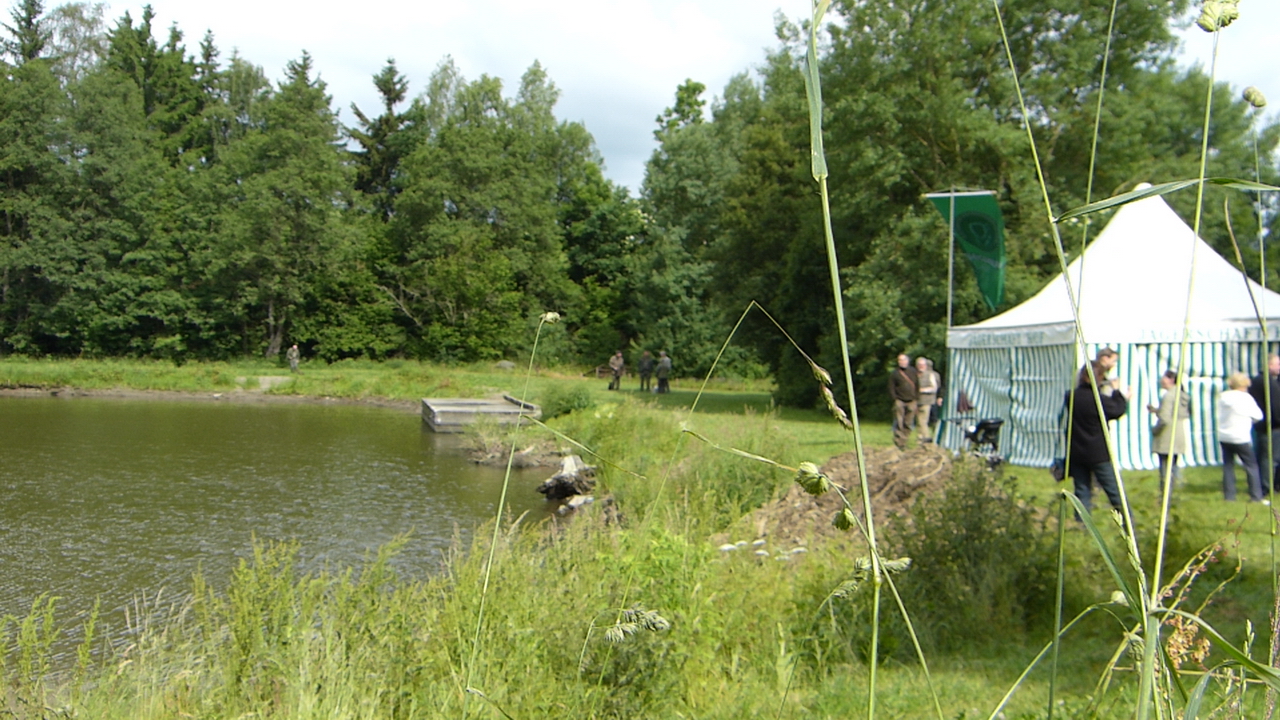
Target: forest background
[[171, 203]]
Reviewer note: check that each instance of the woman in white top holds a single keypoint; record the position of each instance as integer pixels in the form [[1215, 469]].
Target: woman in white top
[[1237, 412]]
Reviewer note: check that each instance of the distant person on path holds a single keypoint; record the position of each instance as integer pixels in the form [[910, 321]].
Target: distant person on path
[[1268, 438], [293, 356], [929, 385], [1170, 441], [664, 372], [1087, 455], [1237, 412], [645, 366], [617, 365], [905, 392]]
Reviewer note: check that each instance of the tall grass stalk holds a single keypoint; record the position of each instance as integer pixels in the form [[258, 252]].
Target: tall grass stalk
[[1274, 645], [1128, 530], [547, 317], [1084, 239], [1151, 633], [813, 86]]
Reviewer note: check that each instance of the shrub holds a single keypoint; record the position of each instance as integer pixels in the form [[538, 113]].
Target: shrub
[[560, 400], [980, 560]]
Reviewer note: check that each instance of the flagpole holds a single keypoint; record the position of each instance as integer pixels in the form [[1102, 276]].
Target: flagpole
[[951, 256]]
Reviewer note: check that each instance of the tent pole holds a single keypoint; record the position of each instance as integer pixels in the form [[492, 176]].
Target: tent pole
[[951, 255]]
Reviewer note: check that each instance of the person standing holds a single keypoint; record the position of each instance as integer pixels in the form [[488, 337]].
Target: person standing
[[1103, 363], [616, 365], [905, 392], [1087, 455], [293, 355], [929, 387], [1268, 438], [1237, 411], [1169, 440], [645, 366], [664, 372]]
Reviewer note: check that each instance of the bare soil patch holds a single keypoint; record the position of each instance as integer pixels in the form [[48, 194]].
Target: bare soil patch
[[897, 478]]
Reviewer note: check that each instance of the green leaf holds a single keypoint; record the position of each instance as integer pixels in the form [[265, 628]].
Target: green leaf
[[1197, 694], [1135, 602], [813, 88], [1162, 189]]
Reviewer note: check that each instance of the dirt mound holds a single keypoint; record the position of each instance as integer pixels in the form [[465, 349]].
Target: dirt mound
[[491, 451], [896, 479]]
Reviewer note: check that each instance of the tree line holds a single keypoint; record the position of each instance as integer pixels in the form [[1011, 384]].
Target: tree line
[[158, 202]]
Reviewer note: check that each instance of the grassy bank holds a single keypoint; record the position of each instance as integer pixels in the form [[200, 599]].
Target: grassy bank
[[735, 634]]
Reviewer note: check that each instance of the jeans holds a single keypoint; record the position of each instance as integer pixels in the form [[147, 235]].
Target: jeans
[[1175, 480], [1270, 478], [1244, 451], [1106, 476]]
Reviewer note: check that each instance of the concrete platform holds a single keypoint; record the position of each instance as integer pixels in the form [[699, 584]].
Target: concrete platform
[[453, 415]]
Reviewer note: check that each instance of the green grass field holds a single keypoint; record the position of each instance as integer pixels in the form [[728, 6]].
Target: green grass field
[[746, 636]]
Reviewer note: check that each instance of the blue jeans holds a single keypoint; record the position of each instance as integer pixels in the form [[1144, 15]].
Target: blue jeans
[[1106, 476], [1270, 478], [1244, 451]]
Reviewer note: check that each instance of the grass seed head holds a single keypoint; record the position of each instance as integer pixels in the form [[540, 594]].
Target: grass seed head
[[1217, 14], [809, 477], [820, 373], [844, 519], [836, 411], [1254, 97]]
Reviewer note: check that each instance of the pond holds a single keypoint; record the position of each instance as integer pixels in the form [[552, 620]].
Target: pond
[[120, 499]]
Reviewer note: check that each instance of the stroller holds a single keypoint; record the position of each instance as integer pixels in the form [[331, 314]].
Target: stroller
[[983, 437]]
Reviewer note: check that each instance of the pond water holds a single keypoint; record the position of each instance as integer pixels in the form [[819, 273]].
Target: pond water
[[119, 499]]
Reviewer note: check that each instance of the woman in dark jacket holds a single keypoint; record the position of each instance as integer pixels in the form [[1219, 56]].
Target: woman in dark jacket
[[1088, 453]]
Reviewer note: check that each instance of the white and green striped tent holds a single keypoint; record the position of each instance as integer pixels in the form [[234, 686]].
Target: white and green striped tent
[[1133, 284]]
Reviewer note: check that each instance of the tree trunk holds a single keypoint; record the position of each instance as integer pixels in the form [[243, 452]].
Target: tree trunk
[[275, 332]]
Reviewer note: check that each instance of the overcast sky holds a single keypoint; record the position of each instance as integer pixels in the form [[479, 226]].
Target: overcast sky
[[617, 63]]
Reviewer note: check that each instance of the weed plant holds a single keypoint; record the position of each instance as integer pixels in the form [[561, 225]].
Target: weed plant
[[981, 558], [560, 400]]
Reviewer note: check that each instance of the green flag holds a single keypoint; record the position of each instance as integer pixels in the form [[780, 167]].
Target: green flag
[[979, 228]]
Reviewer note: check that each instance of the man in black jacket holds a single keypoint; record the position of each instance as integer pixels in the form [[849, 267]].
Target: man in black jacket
[[904, 389], [1268, 441]]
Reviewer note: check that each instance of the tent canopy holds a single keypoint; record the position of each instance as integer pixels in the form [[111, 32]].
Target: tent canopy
[[1132, 283]]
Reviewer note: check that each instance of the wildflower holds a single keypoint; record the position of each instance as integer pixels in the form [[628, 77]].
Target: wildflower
[[551, 317]]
